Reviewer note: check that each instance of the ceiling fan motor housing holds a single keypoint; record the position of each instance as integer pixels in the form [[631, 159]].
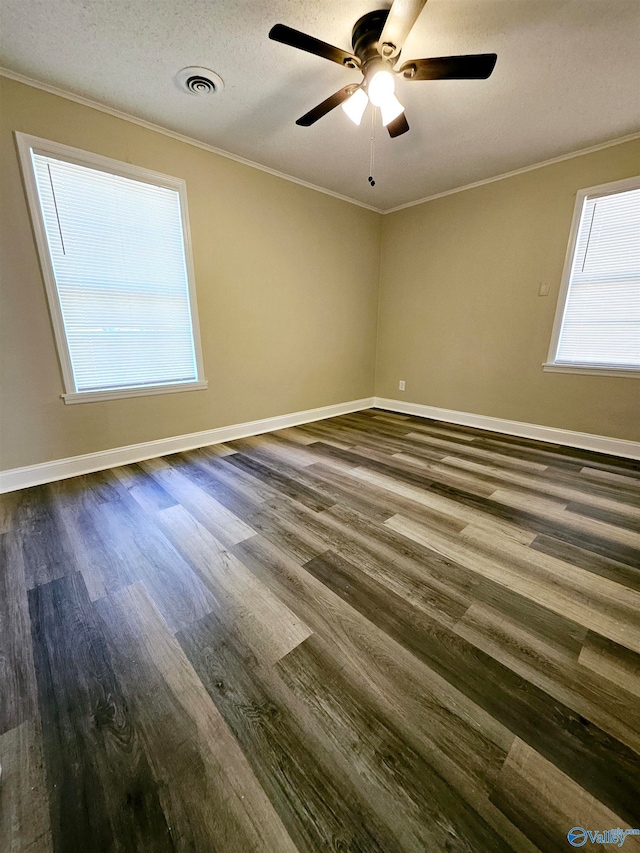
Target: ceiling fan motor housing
[[366, 35]]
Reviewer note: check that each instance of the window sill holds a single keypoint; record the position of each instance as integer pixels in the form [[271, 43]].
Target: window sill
[[140, 391], [592, 369]]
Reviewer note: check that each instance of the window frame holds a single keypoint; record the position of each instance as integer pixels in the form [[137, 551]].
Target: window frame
[[551, 365], [26, 144]]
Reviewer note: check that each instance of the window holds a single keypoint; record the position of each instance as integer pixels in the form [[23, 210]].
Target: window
[[115, 253], [597, 325]]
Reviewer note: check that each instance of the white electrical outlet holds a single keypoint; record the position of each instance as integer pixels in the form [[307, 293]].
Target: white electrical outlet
[[543, 290], [401, 385]]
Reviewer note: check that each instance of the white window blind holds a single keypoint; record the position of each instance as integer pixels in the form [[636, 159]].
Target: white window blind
[[601, 319], [117, 250]]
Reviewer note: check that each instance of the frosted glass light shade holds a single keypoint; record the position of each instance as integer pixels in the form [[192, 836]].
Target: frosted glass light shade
[[356, 105], [390, 108]]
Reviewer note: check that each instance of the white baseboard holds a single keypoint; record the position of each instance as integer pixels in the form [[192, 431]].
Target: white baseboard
[[582, 440], [60, 469]]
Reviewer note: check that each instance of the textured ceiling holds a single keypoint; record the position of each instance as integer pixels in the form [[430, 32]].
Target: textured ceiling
[[567, 78]]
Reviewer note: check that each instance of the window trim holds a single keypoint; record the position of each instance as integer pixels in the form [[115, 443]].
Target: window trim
[[26, 144], [551, 365]]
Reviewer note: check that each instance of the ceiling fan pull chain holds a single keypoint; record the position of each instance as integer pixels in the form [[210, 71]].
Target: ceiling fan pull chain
[[373, 145]]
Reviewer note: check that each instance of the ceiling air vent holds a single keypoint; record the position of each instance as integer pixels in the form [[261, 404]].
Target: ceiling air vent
[[199, 81]]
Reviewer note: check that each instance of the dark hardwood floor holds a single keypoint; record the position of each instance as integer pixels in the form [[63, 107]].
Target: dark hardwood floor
[[373, 633]]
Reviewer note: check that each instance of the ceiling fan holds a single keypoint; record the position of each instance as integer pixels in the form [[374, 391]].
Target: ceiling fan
[[377, 39]]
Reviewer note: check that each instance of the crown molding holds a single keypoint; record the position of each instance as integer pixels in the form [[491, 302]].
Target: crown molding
[[180, 137], [189, 140], [569, 156]]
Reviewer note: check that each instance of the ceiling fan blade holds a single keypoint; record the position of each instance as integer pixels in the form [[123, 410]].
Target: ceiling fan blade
[[302, 41], [326, 106], [474, 67], [398, 126], [402, 16]]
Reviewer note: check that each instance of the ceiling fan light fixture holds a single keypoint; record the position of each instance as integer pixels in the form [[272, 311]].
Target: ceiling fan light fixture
[[389, 109], [356, 105], [377, 40]]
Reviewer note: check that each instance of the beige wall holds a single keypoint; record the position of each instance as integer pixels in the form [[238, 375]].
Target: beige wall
[[460, 319], [287, 282], [287, 293]]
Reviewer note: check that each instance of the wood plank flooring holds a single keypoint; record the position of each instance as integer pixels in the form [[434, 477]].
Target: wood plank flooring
[[372, 633]]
